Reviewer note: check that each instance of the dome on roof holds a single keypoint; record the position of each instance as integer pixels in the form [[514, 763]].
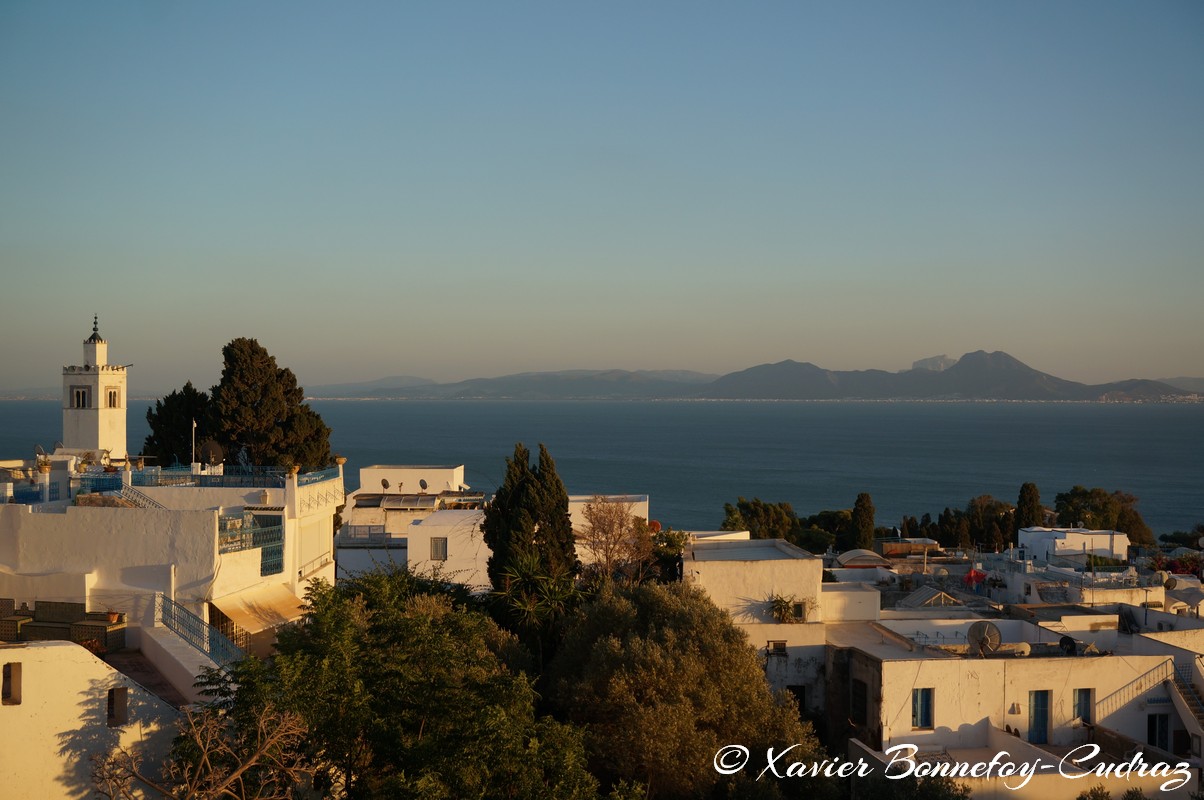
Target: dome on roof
[[860, 557]]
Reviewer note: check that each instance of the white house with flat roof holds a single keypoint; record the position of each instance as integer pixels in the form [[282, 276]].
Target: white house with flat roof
[[227, 546], [1045, 544]]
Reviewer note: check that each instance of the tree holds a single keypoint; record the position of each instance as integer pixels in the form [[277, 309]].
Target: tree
[[553, 526], [1029, 512], [762, 520], [863, 522], [258, 415], [214, 758], [403, 684], [529, 512], [171, 435], [913, 788], [618, 542], [661, 678], [1098, 509]]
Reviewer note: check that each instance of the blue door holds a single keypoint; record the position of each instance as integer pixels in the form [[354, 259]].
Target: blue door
[[1038, 717]]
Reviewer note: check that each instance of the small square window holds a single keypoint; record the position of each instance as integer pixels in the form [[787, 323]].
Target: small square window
[[921, 708], [10, 685], [799, 611], [438, 548], [776, 648]]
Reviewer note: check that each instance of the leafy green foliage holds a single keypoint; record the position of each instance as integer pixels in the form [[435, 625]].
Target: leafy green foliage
[[911, 788], [778, 521], [1097, 792], [257, 413], [404, 686], [1102, 510], [1185, 538], [171, 437], [661, 678]]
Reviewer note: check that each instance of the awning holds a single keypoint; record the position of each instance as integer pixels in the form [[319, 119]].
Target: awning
[[263, 607]]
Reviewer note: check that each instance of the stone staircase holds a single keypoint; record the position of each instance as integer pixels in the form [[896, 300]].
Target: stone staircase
[[1188, 690], [139, 499]]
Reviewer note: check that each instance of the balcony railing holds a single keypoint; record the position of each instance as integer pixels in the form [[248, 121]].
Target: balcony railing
[[245, 532], [318, 477], [198, 633], [32, 495], [100, 482]]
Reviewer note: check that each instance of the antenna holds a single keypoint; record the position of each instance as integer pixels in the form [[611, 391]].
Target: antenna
[[984, 637], [211, 452]]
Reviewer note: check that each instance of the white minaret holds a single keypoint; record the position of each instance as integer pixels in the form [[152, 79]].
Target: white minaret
[[94, 401]]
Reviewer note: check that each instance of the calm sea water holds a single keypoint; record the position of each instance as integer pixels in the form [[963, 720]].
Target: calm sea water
[[692, 457]]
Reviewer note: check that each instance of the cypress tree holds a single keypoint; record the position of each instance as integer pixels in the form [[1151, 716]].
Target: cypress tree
[[528, 518], [554, 526], [509, 524], [1029, 513], [863, 521]]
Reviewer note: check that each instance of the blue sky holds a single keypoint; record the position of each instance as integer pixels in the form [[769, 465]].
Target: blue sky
[[467, 189]]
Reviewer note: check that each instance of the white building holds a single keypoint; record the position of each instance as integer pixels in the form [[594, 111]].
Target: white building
[[231, 547], [94, 402], [61, 706], [932, 684], [426, 518], [1048, 544]]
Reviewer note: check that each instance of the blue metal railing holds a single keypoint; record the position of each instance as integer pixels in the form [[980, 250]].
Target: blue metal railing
[[198, 633], [237, 532], [100, 482], [27, 495], [318, 477], [232, 476], [271, 560]]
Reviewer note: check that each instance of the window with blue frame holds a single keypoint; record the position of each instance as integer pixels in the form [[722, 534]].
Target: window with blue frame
[[1082, 704], [921, 708]]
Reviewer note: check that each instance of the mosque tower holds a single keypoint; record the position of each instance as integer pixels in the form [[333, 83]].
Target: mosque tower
[[94, 401]]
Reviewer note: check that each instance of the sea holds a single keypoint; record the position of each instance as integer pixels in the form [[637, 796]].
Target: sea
[[691, 457]]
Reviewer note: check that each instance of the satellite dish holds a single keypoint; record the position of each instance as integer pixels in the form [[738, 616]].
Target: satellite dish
[[1171, 583], [58, 445], [984, 637], [210, 452], [1068, 645], [384, 484], [39, 450], [941, 572], [422, 483], [1023, 649]]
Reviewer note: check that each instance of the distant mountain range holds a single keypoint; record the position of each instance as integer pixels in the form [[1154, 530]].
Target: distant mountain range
[[975, 376]]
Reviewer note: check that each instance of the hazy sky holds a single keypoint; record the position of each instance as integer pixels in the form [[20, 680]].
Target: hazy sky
[[466, 189]]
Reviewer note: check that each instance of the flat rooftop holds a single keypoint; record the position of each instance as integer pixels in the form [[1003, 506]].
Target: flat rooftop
[[748, 550]]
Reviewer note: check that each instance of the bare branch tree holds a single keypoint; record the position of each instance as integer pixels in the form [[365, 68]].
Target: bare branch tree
[[212, 759], [619, 543]]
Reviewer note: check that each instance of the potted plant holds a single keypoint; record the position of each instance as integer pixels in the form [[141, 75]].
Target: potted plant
[[114, 616]]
